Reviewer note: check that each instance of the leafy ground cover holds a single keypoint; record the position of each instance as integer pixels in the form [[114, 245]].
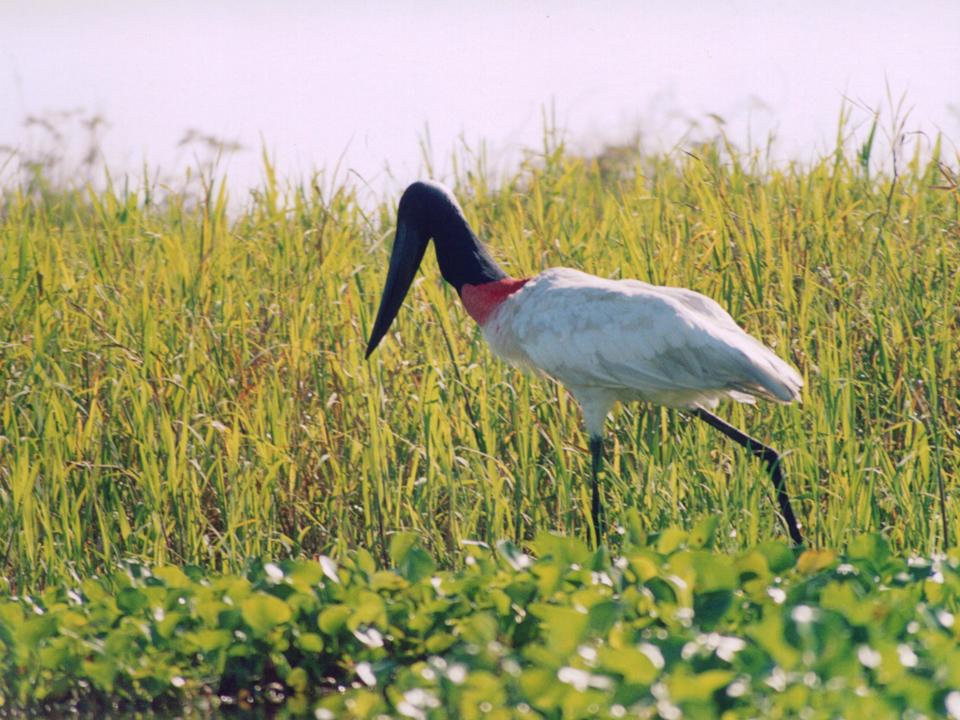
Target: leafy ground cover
[[671, 628]]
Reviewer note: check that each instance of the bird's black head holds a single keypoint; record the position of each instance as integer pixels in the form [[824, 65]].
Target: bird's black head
[[429, 211]]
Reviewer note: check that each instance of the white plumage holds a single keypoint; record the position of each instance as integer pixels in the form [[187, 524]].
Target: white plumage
[[623, 340]]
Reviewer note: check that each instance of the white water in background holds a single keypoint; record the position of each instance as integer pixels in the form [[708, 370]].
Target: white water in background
[[322, 83]]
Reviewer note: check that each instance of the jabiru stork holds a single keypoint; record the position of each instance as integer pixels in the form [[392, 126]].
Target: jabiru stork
[[604, 340]]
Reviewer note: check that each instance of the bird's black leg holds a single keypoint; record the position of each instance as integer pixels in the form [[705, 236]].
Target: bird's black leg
[[772, 460], [596, 453]]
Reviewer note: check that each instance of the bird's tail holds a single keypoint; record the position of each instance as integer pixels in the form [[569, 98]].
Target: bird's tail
[[775, 379], [763, 373]]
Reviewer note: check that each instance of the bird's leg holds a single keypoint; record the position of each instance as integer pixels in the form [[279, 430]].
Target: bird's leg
[[772, 460], [596, 453]]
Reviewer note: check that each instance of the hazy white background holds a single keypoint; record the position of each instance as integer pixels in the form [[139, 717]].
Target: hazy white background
[[315, 82]]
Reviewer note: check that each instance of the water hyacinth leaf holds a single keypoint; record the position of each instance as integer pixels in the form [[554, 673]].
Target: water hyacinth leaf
[[101, 673], [11, 616], [563, 550], [298, 680], [364, 561], [35, 629], [769, 635], [481, 689], [710, 572], [480, 628], [629, 662], [702, 535], [58, 656], [709, 608], [333, 618], [368, 609], [812, 561], [209, 609], [521, 590], [780, 558], [309, 642], [699, 687], [753, 565], [366, 704], [384, 580], [541, 686], [602, 615], [303, 573], [263, 612], [565, 627], [131, 600], [209, 640], [416, 564], [400, 544], [663, 591], [168, 623], [172, 576], [438, 642], [501, 602], [548, 578], [93, 590], [872, 547], [671, 540], [644, 566]]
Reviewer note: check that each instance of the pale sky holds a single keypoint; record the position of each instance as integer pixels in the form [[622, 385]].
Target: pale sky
[[361, 81]]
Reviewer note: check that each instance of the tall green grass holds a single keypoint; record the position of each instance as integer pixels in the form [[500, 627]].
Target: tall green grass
[[189, 386]]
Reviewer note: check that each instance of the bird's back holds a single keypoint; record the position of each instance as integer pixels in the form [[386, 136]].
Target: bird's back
[[668, 345]]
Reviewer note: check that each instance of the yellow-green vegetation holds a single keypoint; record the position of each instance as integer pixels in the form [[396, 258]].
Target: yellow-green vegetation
[[184, 385], [670, 629]]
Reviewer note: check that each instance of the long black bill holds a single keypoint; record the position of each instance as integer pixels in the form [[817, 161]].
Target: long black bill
[[408, 248]]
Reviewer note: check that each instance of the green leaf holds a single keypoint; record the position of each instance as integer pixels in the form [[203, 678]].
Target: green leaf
[[101, 673], [630, 662], [172, 576], [400, 544], [309, 642], [298, 680], [439, 642], [386, 580], [365, 561], [700, 687], [702, 535], [779, 557], [873, 547], [35, 629], [602, 615], [333, 618], [11, 615], [209, 640], [671, 540], [813, 561], [131, 600], [416, 565], [303, 573], [264, 612], [565, 626]]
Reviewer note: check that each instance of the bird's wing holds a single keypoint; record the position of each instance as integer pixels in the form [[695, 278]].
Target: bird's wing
[[669, 345]]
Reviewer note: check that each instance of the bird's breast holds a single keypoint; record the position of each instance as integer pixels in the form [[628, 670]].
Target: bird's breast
[[481, 300]]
